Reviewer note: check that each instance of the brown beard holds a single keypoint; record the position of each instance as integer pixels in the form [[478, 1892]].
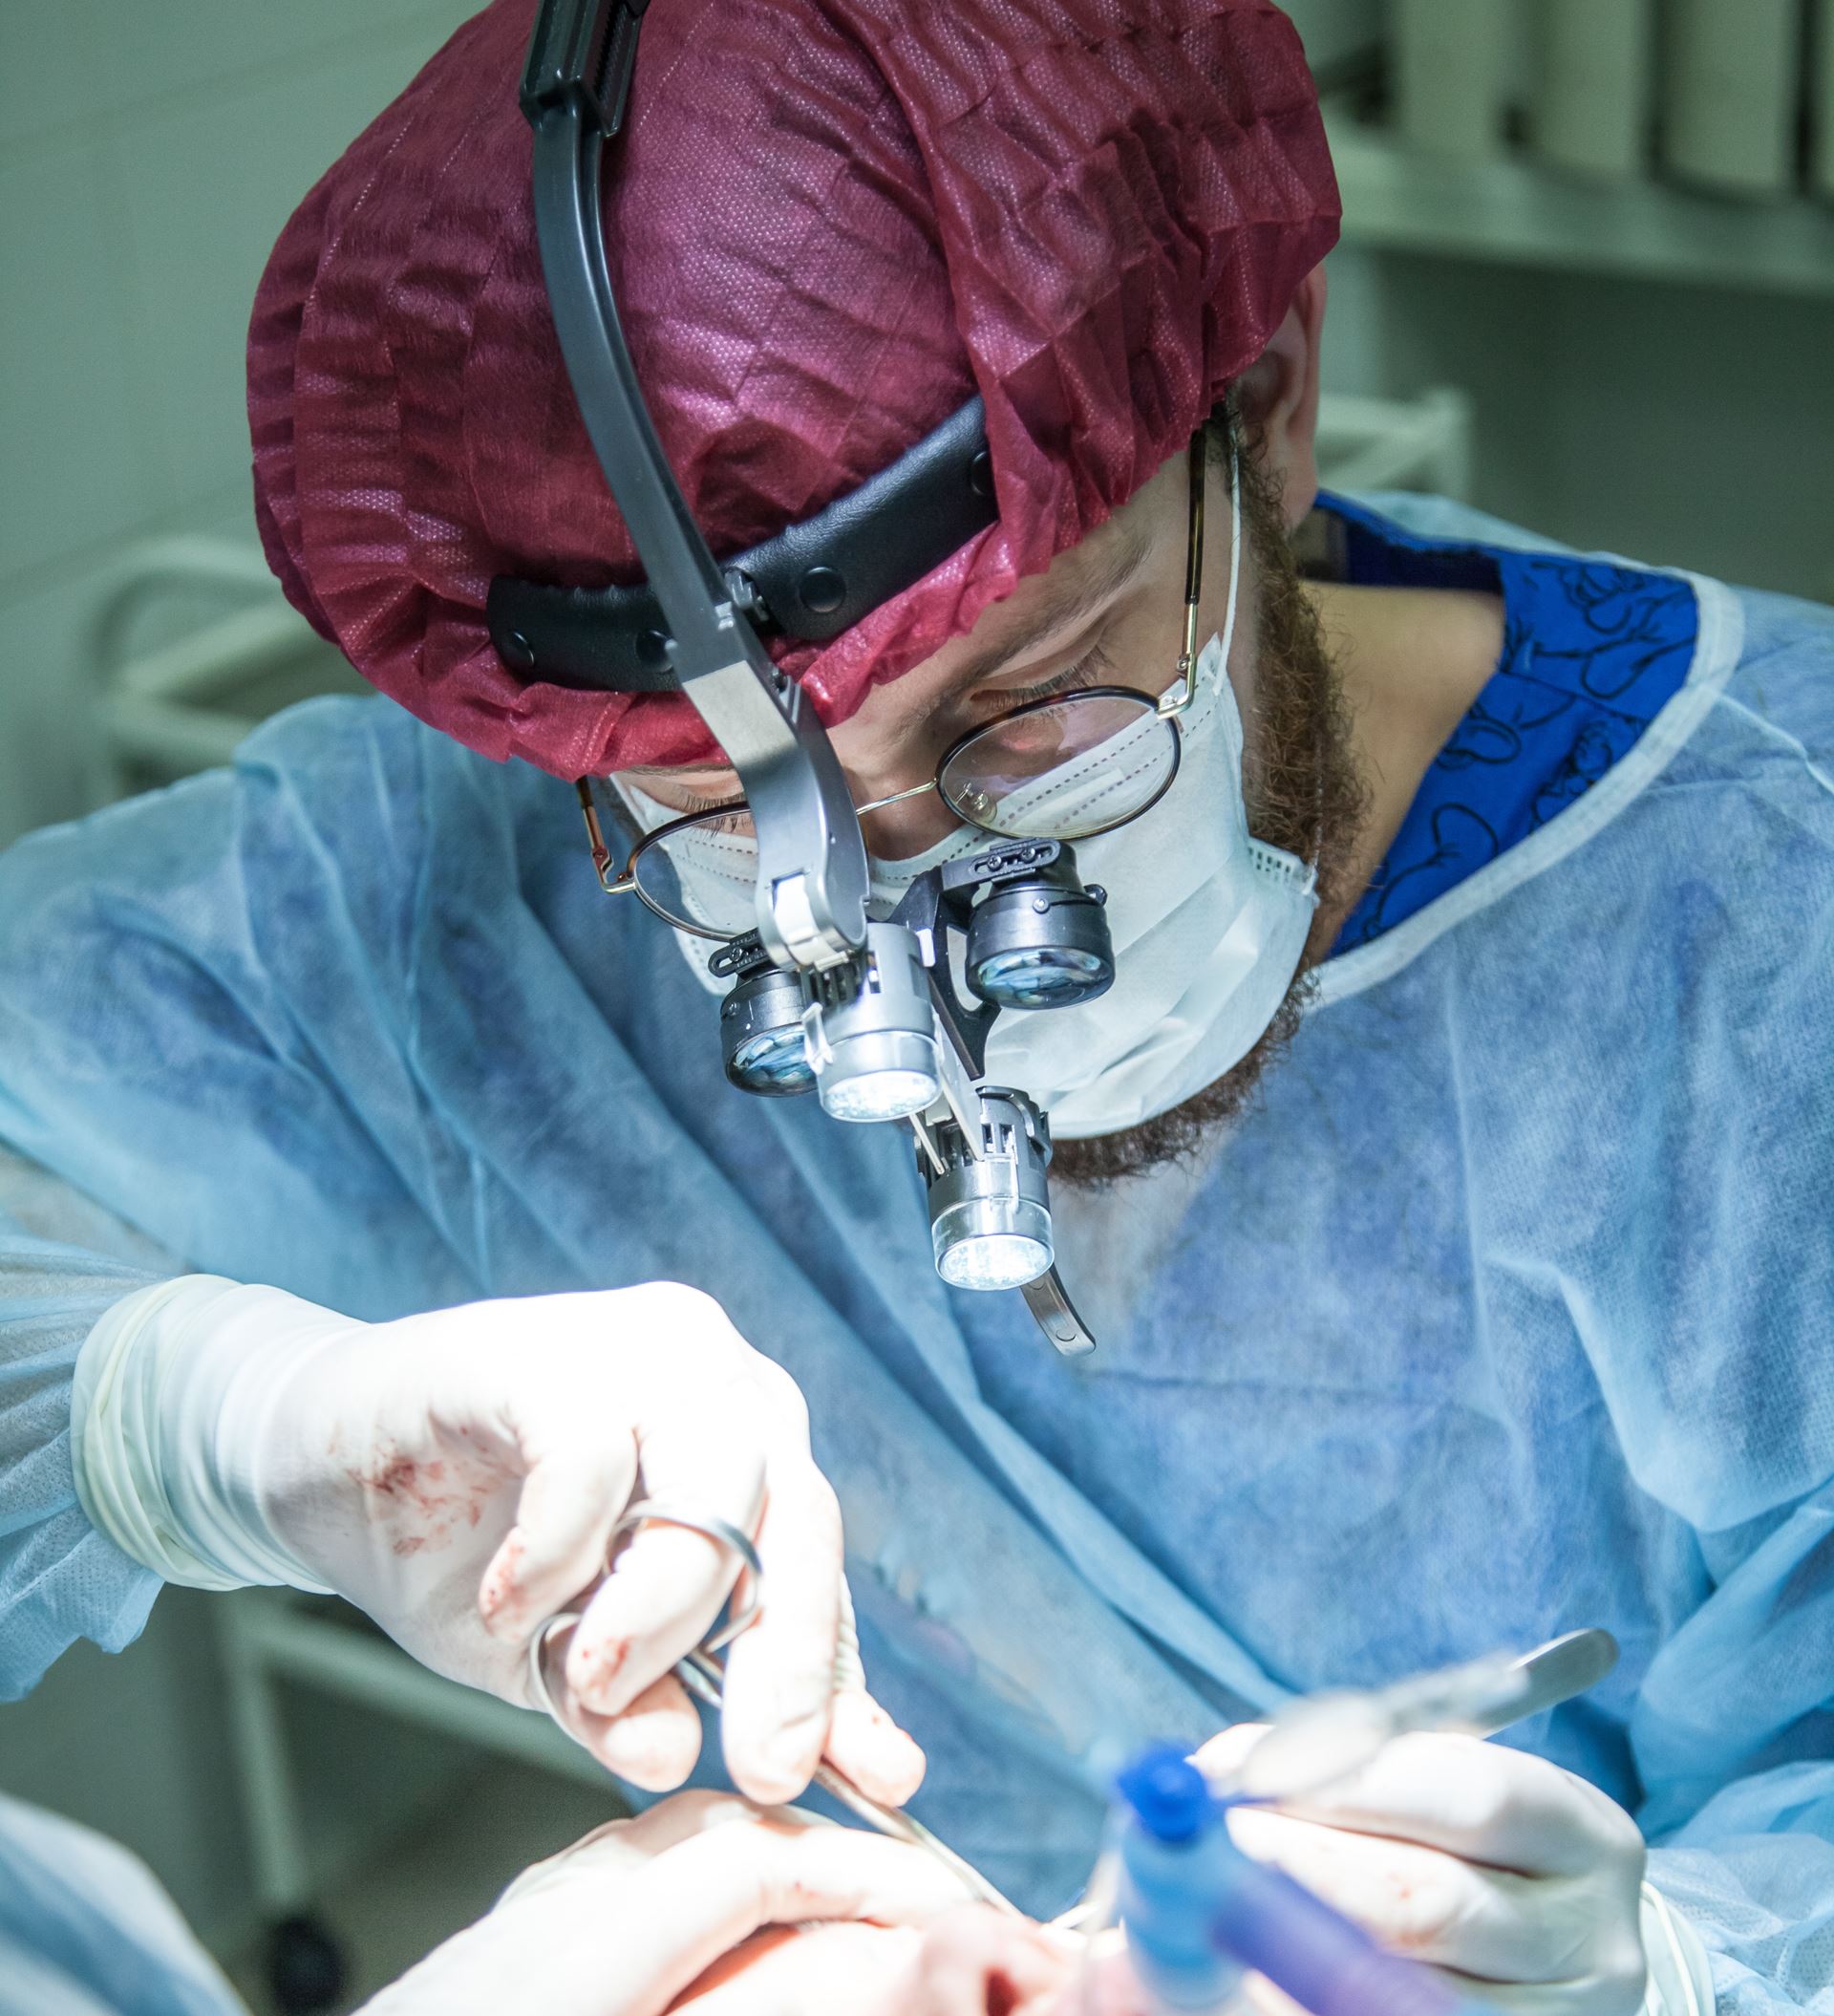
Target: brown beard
[[1305, 796]]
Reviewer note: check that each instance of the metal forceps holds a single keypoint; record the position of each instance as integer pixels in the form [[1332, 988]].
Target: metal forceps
[[704, 1677]]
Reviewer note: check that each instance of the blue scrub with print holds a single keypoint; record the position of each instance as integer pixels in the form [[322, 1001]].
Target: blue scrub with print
[[1508, 1309]]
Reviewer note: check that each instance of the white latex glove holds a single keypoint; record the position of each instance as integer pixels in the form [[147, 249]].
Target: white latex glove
[[457, 1475], [1520, 1882], [660, 1913]]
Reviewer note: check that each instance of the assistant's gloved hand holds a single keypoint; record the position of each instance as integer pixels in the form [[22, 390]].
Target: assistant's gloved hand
[[661, 1913], [457, 1474], [1521, 1881]]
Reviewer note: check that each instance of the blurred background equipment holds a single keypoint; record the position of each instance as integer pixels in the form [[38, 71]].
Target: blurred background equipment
[[1607, 226], [1732, 99], [1449, 72], [1821, 105], [1594, 98]]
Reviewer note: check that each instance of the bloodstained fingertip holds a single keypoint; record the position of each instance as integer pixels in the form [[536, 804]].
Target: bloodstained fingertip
[[592, 1671]]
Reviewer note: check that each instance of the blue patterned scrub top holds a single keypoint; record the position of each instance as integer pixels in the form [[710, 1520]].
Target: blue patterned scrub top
[[1592, 651]]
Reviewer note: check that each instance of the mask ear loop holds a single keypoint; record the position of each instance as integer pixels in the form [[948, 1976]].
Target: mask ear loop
[[1178, 697]]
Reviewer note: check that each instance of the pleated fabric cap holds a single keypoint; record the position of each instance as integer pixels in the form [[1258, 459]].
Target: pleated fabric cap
[[830, 222]]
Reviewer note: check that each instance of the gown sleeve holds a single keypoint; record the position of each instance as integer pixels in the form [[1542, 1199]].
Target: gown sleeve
[[86, 1930], [59, 1578], [205, 1061], [1746, 1682], [1729, 1419]]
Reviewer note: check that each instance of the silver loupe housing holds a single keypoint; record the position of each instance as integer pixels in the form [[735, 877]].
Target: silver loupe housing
[[870, 1030], [990, 1214]]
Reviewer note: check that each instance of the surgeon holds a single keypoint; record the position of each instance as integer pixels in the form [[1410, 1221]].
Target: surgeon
[[1443, 1177]]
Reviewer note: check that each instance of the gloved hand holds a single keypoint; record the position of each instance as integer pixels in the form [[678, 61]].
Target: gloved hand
[[666, 1906], [457, 1475], [1522, 1882]]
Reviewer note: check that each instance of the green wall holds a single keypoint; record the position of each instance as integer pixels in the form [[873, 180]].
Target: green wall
[[150, 152]]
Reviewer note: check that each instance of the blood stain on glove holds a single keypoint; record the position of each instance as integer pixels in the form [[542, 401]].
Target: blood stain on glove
[[499, 1582], [600, 1665], [1002, 1997], [419, 1494]]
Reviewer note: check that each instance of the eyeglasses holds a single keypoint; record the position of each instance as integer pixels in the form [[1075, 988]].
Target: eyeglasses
[[1066, 767]]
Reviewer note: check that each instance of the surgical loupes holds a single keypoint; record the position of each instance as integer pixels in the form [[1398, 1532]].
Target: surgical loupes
[[1035, 940], [869, 1006]]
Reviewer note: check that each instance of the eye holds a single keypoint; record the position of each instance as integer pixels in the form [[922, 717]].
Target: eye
[[685, 803], [692, 802], [1093, 668]]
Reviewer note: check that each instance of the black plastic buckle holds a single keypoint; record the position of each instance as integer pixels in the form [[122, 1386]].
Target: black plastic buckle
[[582, 52]]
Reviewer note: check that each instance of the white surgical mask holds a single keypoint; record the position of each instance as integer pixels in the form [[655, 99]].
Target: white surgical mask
[[1208, 927]]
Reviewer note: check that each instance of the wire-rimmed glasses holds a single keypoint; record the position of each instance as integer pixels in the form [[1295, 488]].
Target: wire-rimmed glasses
[[1065, 767]]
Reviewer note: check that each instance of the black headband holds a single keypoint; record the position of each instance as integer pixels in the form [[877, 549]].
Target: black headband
[[811, 582]]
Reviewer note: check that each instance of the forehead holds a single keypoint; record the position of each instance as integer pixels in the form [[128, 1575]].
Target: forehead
[[1137, 550], [1133, 552]]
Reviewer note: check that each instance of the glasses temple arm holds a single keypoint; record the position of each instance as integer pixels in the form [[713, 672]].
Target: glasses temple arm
[[595, 837], [1194, 554]]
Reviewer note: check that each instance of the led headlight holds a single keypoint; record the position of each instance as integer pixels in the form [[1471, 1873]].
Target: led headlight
[[760, 1027], [1040, 940], [990, 1214], [871, 1031]]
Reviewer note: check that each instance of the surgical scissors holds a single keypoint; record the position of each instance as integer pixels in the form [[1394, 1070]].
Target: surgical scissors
[[704, 1677]]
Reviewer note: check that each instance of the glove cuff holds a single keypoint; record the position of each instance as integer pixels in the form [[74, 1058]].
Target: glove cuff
[[167, 1411], [1680, 1975]]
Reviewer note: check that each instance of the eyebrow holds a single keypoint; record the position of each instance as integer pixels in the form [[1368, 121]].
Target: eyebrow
[[1072, 603]]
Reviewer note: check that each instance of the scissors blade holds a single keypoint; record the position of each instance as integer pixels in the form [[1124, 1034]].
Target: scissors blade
[[1323, 1738], [1552, 1673], [705, 1680]]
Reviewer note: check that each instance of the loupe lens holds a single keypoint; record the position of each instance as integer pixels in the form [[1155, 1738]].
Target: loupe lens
[[1044, 978], [1040, 940], [773, 1063], [760, 1032]]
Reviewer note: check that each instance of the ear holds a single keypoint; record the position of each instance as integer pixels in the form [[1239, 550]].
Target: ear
[[1278, 398]]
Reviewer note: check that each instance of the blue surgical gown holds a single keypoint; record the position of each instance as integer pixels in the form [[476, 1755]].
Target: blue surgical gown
[[86, 1931], [1508, 1309]]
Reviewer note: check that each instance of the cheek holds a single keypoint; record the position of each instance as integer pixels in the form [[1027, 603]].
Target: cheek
[[1245, 648]]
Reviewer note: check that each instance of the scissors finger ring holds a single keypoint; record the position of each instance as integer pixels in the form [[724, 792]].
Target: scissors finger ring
[[646, 1512]]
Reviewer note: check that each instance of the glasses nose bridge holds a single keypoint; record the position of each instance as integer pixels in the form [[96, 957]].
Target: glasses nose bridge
[[895, 798]]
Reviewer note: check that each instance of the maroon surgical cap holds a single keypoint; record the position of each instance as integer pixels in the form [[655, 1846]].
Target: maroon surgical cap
[[830, 223]]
